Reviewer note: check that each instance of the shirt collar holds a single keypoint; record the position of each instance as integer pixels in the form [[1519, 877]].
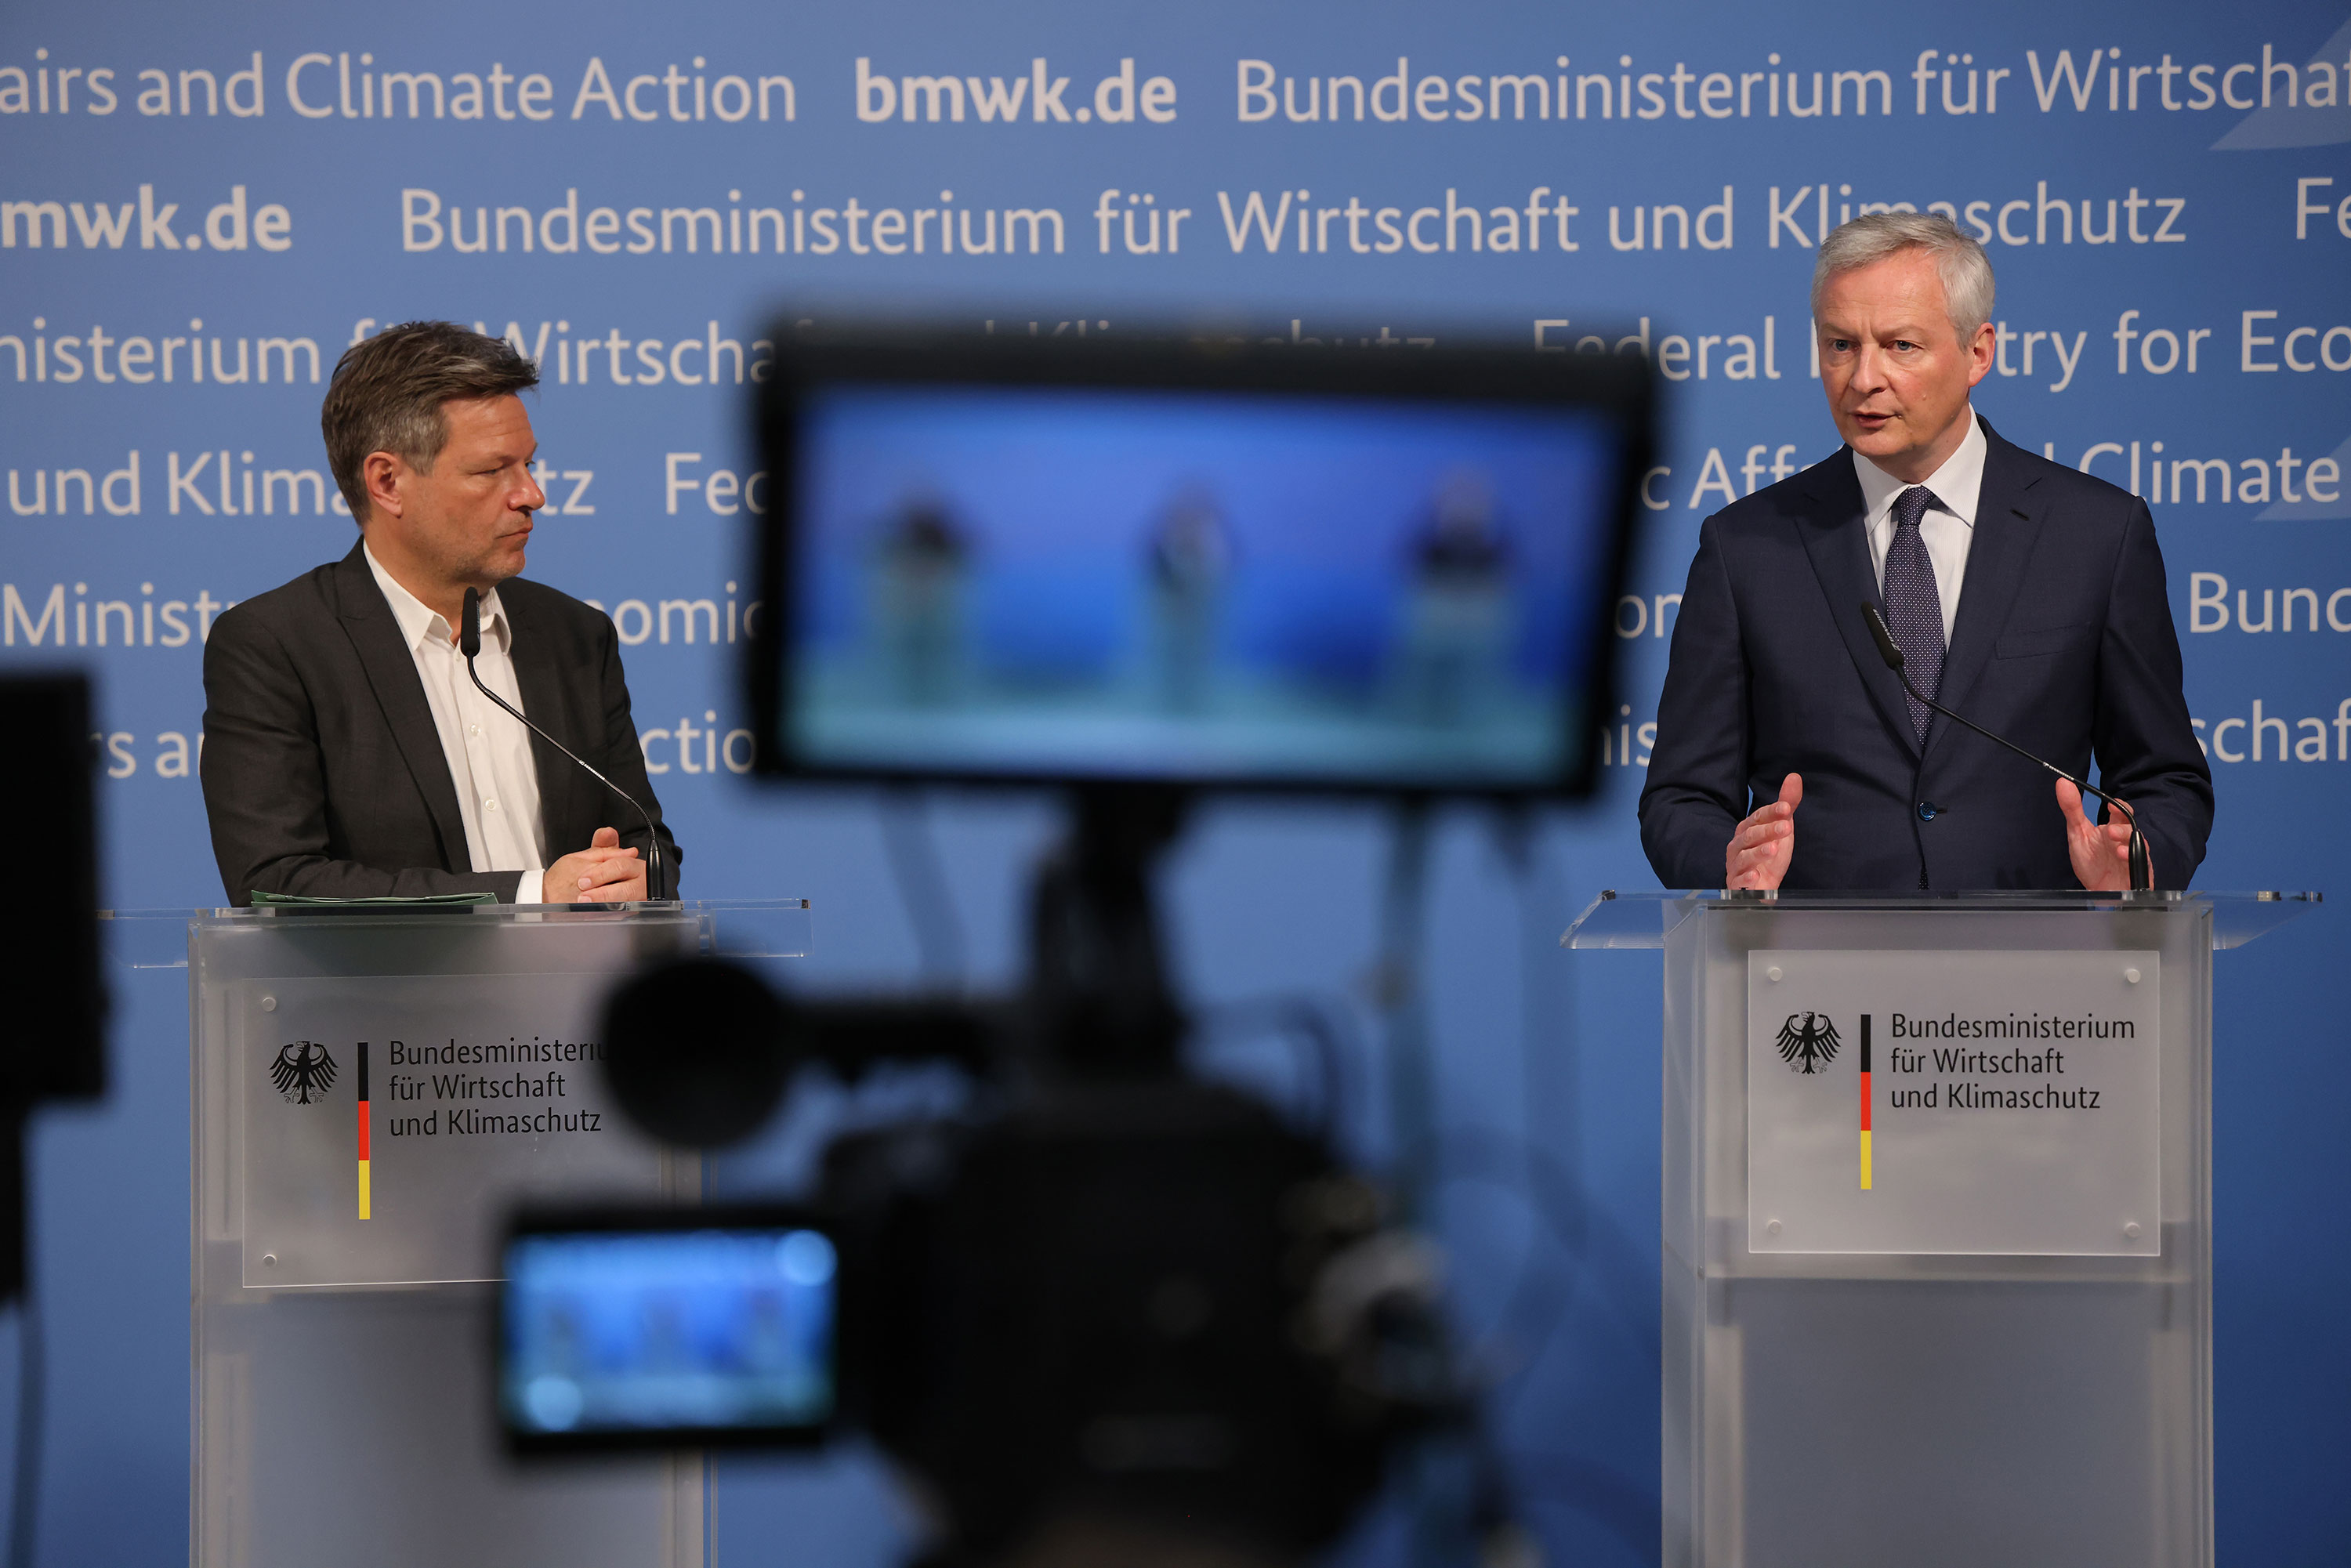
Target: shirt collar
[[420, 623], [1958, 483]]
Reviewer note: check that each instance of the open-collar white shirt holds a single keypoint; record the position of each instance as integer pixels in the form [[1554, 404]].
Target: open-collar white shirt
[[1949, 525], [488, 751]]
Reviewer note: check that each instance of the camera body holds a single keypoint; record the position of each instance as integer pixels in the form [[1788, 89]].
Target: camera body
[[1119, 1299], [1136, 1297]]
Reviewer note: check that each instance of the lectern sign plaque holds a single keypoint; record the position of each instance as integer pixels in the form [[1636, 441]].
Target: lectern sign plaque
[[390, 1121], [1993, 1102]]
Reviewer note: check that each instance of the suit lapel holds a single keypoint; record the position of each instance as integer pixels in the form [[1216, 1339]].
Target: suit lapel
[[2007, 527], [541, 685], [392, 674], [1835, 537]]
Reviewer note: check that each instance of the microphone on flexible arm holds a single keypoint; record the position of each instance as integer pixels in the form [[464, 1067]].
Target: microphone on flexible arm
[[2142, 875], [469, 643]]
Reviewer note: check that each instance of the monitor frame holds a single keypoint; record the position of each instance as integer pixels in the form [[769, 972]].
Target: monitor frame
[[808, 362]]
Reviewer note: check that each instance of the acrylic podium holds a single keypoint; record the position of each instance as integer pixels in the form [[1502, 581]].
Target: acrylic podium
[[373, 1091], [1937, 1224]]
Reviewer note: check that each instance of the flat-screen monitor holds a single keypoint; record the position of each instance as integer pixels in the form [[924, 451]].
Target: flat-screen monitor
[[1384, 570], [622, 1330]]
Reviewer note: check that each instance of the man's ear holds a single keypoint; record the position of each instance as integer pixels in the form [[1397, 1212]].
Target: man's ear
[[384, 477], [1981, 349]]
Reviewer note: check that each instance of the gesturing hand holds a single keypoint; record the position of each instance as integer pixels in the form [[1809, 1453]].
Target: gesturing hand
[[603, 873], [1759, 850], [2100, 852]]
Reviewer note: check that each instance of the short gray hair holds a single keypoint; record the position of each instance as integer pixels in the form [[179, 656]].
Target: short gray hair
[[1959, 261]]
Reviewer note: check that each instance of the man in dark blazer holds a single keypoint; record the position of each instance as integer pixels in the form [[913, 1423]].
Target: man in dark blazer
[[2024, 594], [347, 753]]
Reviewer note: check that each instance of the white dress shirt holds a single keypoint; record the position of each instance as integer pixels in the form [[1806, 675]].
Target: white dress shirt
[[1949, 525], [488, 750]]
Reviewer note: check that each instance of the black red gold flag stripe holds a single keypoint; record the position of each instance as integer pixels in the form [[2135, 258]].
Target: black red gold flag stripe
[[1865, 1101], [363, 1132]]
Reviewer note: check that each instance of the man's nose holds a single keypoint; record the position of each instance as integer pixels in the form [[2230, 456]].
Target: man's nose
[[530, 497]]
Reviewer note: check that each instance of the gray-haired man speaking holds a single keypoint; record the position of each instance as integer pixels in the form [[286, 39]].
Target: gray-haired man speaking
[[2024, 595], [346, 751]]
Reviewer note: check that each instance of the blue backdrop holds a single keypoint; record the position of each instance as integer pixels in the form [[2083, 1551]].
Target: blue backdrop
[[200, 205]]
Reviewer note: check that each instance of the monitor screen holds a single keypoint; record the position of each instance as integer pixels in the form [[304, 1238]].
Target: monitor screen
[[1197, 584], [642, 1333]]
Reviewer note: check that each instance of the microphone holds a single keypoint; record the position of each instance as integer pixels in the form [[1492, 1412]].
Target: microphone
[[2142, 874], [469, 643]]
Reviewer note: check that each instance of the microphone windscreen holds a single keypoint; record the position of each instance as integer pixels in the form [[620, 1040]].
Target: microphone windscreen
[[469, 635], [1887, 649]]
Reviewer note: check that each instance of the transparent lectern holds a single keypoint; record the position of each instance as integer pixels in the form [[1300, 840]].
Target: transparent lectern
[[374, 1090], [1937, 1224]]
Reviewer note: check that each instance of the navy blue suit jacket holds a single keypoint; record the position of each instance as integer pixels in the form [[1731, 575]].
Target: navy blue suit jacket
[[2064, 643]]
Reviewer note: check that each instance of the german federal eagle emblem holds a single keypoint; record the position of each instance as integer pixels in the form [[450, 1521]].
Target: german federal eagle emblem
[[1808, 1041], [303, 1073]]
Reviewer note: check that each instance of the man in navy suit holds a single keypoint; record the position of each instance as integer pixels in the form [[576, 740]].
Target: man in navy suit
[[2024, 594]]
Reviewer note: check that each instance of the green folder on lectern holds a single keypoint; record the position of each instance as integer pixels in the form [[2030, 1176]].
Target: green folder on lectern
[[421, 901]]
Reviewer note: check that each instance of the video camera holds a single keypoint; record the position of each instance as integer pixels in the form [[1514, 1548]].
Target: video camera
[[59, 1049], [1136, 570]]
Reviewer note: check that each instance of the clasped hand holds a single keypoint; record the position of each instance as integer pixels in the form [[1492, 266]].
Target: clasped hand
[[603, 873]]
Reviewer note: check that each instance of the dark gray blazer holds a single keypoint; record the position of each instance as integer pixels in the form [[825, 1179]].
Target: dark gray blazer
[[2064, 643], [324, 775]]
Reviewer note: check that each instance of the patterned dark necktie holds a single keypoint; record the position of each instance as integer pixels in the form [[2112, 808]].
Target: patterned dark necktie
[[1913, 609]]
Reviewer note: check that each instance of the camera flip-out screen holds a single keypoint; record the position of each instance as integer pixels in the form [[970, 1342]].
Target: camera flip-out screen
[[1129, 566], [630, 1329]]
